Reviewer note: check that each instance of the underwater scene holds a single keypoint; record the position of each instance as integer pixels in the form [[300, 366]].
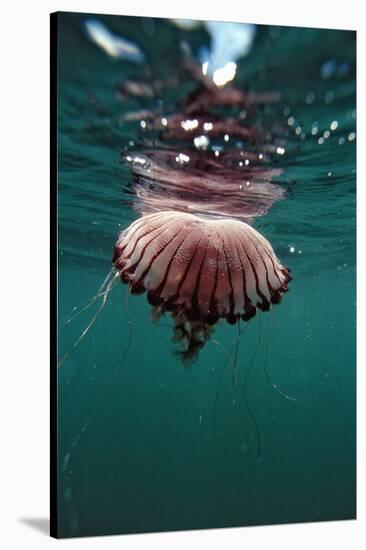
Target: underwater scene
[[206, 274]]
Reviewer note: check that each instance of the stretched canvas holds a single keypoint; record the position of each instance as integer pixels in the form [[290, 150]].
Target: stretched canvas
[[203, 270]]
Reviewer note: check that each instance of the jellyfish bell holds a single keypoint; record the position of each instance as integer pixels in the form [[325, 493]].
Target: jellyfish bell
[[199, 270]]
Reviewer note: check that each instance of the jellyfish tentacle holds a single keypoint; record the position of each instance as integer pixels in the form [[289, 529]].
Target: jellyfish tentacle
[[219, 345], [100, 292], [195, 392], [236, 356], [244, 391], [85, 426], [219, 387], [92, 321], [233, 349]]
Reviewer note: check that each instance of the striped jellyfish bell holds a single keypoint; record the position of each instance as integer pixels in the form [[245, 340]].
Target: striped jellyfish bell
[[200, 270]]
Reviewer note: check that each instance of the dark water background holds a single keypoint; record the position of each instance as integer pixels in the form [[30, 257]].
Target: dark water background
[[146, 462]]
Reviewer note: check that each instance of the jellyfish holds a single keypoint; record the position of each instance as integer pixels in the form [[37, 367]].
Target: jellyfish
[[199, 270]]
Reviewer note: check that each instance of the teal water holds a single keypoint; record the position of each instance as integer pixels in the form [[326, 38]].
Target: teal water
[[151, 456]]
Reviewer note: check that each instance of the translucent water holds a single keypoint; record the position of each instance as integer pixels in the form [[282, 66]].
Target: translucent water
[[153, 455]]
